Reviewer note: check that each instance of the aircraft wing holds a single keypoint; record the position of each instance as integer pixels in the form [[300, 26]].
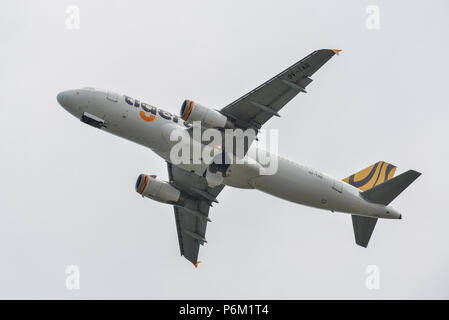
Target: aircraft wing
[[191, 220], [258, 106]]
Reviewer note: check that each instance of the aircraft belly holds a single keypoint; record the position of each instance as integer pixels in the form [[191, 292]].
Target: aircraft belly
[[292, 185], [239, 175], [306, 186]]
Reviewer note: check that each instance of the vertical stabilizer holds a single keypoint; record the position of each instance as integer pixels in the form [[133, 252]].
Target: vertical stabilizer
[[372, 176]]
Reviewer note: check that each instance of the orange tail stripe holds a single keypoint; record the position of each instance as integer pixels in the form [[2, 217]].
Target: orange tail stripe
[[382, 174], [391, 174]]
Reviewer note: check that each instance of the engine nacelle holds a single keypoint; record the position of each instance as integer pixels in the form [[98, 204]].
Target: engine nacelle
[[191, 111], [150, 187]]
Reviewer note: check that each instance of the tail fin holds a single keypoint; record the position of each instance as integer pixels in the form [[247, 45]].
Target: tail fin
[[378, 186], [386, 192], [373, 175]]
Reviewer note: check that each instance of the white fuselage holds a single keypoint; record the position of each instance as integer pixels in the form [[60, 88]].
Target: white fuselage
[[291, 181]]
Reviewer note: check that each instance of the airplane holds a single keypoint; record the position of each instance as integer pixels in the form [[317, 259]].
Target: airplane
[[192, 188]]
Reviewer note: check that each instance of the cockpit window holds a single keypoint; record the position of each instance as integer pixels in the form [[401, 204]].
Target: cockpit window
[[112, 96]]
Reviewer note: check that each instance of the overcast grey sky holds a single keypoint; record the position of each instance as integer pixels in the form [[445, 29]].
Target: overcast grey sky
[[67, 190]]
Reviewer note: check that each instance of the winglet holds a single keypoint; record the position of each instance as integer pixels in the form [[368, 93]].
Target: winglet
[[336, 51], [196, 264]]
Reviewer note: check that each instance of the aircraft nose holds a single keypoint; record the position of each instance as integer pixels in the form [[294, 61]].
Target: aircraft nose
[[61, 97], [70, 101]]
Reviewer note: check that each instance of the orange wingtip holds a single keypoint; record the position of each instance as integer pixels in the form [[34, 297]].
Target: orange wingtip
[[196, 264], [336, 51]]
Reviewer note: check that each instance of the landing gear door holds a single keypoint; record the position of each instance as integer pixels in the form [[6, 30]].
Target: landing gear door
[[338, 186]]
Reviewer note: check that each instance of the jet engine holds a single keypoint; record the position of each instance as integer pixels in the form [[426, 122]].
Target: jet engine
[[192, 111], [162, 191]]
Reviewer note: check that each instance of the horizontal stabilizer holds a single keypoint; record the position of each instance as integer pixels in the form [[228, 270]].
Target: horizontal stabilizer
[[363, 229], [386, 192]]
